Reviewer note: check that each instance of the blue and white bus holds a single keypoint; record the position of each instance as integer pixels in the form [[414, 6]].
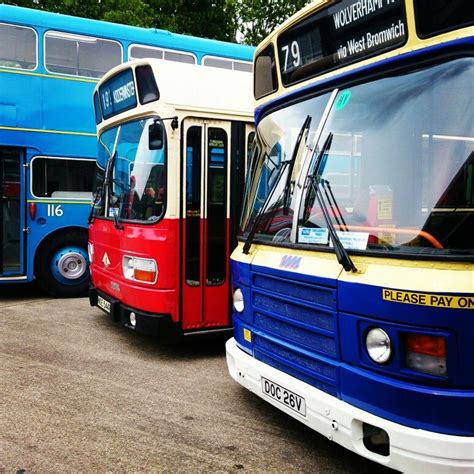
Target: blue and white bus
[[49, 66], [353, 281]]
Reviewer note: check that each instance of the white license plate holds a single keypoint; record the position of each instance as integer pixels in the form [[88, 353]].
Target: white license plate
[[284, 396], [103, 304]]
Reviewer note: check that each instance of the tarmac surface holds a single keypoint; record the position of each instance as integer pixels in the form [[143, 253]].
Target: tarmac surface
[[78, 393]]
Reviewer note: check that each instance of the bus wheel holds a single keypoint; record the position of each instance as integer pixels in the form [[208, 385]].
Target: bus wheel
[[62, 266]]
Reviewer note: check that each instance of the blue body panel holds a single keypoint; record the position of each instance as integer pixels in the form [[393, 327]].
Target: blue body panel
[[314, 329]]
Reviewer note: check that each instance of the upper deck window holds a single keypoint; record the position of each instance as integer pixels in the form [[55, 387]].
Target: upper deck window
[[140, 52], [265, 73], [147, 88], [438, 16], [18, 46], [79, 55], [349, 31], [225, 63]]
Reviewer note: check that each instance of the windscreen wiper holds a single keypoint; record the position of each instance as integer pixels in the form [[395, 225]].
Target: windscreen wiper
[[117, 221], [315, 180], [108, 169], [97, 199], [261, 212], [336, 210], [101, 193], [304, 128], [291, 163]]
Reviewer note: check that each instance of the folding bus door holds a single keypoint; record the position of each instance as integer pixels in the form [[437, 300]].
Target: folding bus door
[[11, 217], [205, 237]]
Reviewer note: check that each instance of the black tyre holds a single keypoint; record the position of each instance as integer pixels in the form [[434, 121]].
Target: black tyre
[[62, 265]]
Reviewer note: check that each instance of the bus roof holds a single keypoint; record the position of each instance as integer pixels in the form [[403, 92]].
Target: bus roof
[[146, 36], [191, 87]]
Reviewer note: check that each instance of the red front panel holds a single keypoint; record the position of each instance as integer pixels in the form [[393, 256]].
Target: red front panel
[[203, 305], [159, 242]]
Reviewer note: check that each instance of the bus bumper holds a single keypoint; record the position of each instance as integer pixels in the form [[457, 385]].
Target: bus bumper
[[409, 449], [155, 325]]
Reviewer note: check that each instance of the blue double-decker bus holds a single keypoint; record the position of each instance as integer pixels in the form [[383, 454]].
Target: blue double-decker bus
[[49, 66]]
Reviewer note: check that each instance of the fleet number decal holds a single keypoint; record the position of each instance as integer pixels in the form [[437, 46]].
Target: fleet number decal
[[427, 299], [55, 210]]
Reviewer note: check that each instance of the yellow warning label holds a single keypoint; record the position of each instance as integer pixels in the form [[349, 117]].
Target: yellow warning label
[[384, 208], [427, 299], [247, 335]]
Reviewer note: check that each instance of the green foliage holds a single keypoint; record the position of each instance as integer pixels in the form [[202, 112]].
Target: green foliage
[[205, 18], [258, 18], [250, 20], [128, 12]]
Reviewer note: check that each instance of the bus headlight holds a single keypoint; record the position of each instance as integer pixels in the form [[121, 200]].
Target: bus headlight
[[238, 300], [140, 269], [90, 251], [379, 346]]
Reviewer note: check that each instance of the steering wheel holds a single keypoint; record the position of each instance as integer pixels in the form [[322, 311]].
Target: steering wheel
[[282, 235]]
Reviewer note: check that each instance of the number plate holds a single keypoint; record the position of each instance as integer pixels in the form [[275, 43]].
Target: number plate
[[103, 304], [284, 396]]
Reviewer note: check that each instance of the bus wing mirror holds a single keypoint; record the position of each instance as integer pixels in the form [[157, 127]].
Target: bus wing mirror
[[155, 136]]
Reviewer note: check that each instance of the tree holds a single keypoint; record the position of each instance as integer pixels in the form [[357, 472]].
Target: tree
[[90, 9], [204, 18], [257, 18], [213, 19], [128, 12]]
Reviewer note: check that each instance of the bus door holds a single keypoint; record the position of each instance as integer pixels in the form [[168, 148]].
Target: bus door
[[205, 224], [11, 218]]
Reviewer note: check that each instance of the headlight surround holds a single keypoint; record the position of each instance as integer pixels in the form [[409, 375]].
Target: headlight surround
[[378, 345], [238, 300], [144, 270]]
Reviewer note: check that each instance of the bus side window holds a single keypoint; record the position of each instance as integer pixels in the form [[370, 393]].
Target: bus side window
[[13, 56], [62, 178], [216, 207], [79, 55], [193, 206]]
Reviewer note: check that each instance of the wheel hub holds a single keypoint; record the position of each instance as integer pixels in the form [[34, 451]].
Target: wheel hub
[[72, 265]]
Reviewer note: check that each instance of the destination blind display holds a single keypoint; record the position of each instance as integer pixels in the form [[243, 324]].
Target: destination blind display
[[349, 31], [118, 94]]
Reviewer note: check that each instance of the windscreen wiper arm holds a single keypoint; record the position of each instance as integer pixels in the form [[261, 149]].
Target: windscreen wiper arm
[[336, 210], [315, 180], [291, 163], [100, 195], [96, 200], [117, 222], [261, 212], [305, 126]]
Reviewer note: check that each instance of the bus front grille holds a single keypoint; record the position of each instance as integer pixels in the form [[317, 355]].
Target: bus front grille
[[295, 327]]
